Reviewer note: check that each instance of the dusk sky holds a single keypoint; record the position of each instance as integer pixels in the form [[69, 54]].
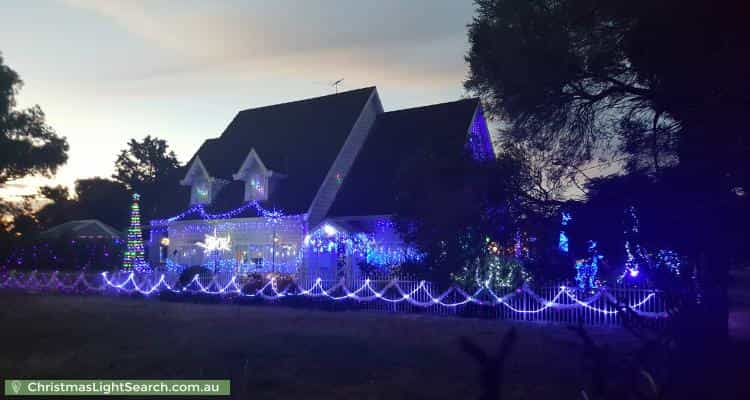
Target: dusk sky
[[108, 71]]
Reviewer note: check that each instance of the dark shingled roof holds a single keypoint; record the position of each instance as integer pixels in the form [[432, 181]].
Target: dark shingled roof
[[369, 187], [300, 139], [82, 229]]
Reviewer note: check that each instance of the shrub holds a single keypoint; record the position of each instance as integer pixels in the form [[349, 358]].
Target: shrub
[[283, 282], [367, 269], [189, 273], [254, 283]]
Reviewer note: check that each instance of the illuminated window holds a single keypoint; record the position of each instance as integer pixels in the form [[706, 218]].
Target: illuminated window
[[256, 188], [201, 193]]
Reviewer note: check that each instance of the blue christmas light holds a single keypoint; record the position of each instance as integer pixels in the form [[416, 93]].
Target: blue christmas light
[[587, 269], [479, 141], [563, 242], [635, 256], [365, 246]]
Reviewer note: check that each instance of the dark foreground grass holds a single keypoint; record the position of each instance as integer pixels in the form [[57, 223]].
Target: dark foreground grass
[[279, 352]]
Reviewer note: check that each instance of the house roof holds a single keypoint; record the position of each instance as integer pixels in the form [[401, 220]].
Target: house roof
[[369, 187], [352, 224], [300, 140], [82, 229]]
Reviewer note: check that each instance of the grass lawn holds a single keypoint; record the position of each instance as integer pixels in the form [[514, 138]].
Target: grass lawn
[[280, 352]]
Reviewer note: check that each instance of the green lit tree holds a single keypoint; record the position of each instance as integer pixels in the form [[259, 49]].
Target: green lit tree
[[134, 260]]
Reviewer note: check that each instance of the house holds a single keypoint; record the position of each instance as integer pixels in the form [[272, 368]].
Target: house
[[305, 186], [82, 229]]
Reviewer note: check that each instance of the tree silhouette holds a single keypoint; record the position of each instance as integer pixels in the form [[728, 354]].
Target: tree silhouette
[[143, 167], [659, 85], [448, 206], [95, 198], [576, 76], [28, 146], [60, 209], [103, 199]]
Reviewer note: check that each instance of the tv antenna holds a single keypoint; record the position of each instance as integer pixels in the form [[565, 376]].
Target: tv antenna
[[336, 85]]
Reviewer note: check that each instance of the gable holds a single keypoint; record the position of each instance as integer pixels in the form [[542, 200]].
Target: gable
[[252, 164], [300, 140]]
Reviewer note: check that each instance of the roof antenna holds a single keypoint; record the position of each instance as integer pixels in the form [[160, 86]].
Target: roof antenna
[[336, 85]]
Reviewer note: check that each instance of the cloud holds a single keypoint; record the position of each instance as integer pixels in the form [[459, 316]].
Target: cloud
[[420, 41]]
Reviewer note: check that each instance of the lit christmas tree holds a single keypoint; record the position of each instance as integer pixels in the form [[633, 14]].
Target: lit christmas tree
[[133, 260]]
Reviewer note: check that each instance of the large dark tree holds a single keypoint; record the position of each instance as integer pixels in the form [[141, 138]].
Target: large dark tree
[[105, 200], [144, 167], [449, 206], [95, 198], [575, 77], [60, 208], [28, 146], [660, 85]]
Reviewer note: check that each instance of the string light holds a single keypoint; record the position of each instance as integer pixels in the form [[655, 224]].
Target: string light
[[149, 283], [200, 211], [637, 258], [587, 270], [133, 258], [328, 239], [479, 142], [563, 243]]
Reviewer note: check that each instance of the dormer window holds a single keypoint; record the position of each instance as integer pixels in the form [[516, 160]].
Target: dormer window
[[201, 184], [256, 188], [200, 193], [256, 177]]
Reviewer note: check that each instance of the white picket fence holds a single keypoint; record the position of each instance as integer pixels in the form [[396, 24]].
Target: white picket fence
[[522, 304], [549, 303]]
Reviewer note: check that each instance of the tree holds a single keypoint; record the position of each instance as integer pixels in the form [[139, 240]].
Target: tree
[[60, 209], [659, 85], [144, 167], [575, 76], [455, 209], [28, 146], [133, 259], [56, 194], [103, 199], [95, 198]]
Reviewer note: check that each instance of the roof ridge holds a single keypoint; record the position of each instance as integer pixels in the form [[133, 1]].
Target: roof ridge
[[368, 88], [433, 105]]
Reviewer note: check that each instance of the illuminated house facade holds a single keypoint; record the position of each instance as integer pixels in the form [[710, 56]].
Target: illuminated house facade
[[304, 186]]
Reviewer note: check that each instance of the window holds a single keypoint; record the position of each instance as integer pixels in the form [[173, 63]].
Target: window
[[201, 193], [256, 188]]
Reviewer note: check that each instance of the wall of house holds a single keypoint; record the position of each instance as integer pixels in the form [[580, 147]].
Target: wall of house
[[251, 242]]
